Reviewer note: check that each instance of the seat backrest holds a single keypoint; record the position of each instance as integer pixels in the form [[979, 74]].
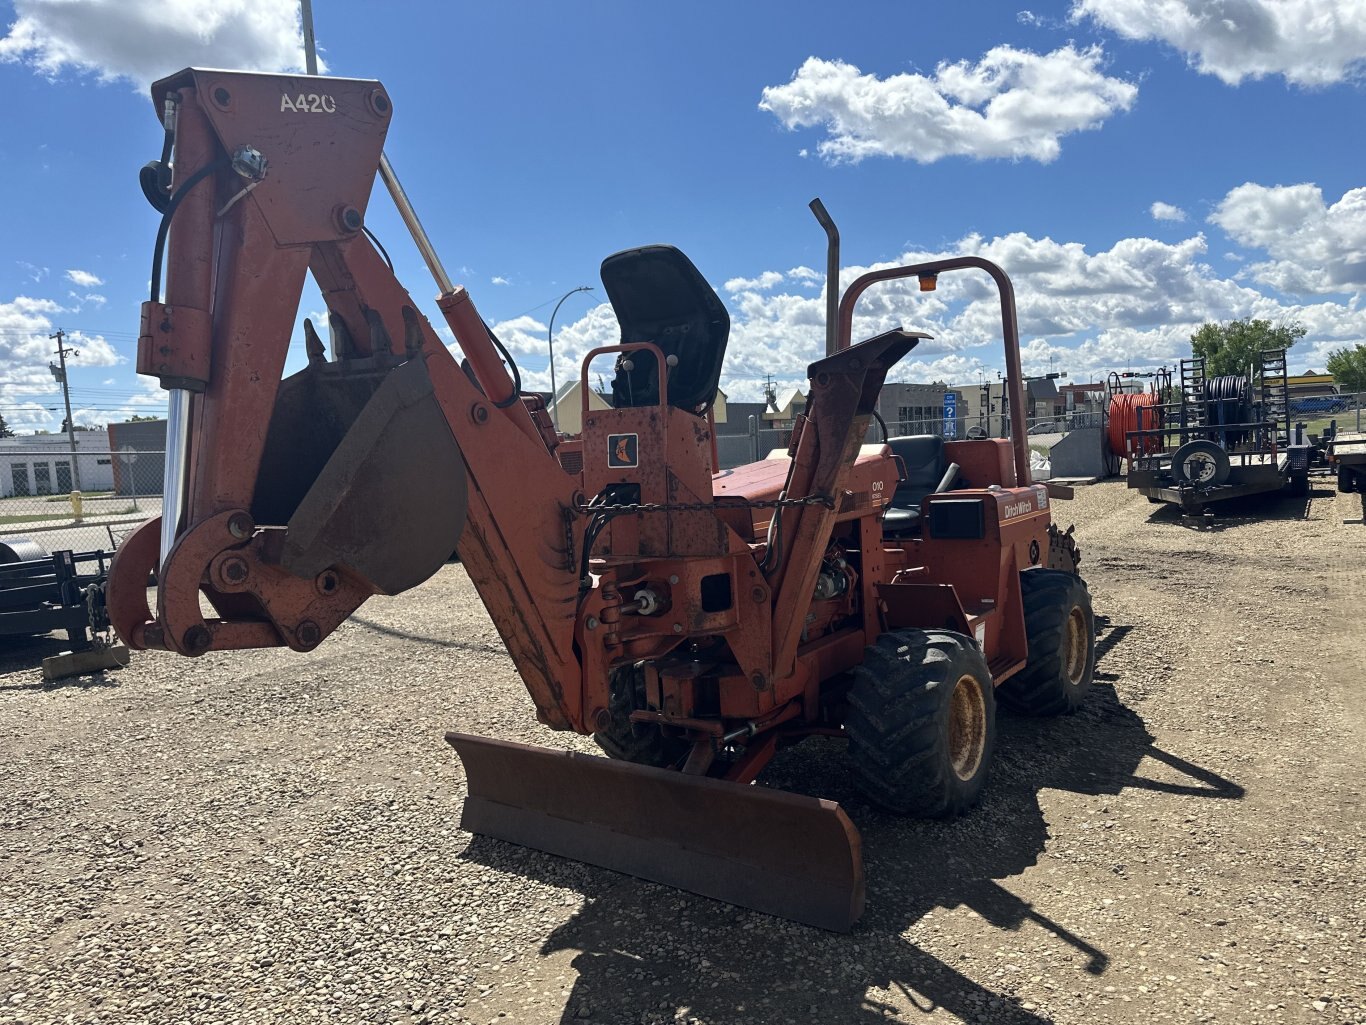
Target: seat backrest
[[923, 457], [659, 296]]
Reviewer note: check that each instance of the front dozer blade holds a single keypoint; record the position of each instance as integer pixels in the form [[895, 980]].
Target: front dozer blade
[[783, 854]]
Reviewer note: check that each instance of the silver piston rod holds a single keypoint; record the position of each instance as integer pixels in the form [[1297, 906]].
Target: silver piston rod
[[177, 444]]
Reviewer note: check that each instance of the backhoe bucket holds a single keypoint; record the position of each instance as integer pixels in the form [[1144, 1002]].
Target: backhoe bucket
[[362, 467], [783, 854]]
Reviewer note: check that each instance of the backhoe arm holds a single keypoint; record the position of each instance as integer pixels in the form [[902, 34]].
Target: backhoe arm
[[304, 495]]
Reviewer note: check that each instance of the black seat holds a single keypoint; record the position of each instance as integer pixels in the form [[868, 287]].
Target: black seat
[[659, 296], [923, 457]]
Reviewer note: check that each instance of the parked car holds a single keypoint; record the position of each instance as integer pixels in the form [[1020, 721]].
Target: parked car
[[1046, 427]]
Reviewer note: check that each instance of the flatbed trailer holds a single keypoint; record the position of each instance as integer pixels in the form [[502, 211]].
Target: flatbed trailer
[[1347, 455], [1251, 473], [41, 591]]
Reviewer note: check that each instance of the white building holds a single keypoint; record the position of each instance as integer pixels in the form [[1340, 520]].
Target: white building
[[40, 464]]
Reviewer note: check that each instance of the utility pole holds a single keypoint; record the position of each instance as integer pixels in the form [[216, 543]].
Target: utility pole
[[59, 372]]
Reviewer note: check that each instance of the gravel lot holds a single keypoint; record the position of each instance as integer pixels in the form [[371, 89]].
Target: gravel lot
[[269, 837]]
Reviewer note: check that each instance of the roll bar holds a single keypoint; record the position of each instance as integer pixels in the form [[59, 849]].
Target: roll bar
[[1010, 329]]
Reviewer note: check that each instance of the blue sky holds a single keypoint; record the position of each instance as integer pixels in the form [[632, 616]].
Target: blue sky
[[1138, 167]]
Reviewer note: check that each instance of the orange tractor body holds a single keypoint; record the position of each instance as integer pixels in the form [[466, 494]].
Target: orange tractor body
[[693, 621]]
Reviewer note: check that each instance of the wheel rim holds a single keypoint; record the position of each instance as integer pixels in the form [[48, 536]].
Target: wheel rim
[[967, 727], [1076, 645], [1200, 468]]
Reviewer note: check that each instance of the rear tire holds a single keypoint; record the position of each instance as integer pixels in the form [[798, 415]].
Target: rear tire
[[626, 741], [1346, 480], [1061, 632], [922, 723]]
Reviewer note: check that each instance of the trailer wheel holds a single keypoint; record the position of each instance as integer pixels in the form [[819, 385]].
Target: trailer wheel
[[1061, 632], [1202, 463], [1346, 480], [922, 723], [1299, 485], [627, 741]]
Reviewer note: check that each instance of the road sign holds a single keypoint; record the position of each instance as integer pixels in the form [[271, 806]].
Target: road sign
[[950, 414]]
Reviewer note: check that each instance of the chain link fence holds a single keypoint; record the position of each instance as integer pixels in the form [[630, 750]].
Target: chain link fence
[[1318, 412], [83, 502]]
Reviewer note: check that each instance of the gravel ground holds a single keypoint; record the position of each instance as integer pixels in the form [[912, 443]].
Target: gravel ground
[[269, 837]]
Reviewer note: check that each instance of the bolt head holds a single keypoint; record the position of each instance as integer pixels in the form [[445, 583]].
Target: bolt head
[[308, 633], [196, 640]]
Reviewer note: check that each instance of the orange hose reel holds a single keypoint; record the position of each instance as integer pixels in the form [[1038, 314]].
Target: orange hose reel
[[1123, 418]]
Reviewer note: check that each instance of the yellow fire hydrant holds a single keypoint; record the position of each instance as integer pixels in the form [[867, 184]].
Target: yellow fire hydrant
[[75, 497]]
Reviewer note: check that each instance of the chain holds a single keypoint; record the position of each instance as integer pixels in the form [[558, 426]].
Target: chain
[[739, 503]]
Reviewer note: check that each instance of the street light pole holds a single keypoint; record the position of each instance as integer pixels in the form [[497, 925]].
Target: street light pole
[[550, 341]]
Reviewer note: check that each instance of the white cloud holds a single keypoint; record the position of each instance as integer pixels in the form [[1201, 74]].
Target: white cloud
[[1315, 248], [498, 279], [1011, 104], [143, 40], [1166, 212], [1310, 42], [27, 387], [83, 278], [762, 283]]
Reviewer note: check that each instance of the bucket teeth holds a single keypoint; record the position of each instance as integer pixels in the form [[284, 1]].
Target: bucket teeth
[[313, 345], [412, 332], [380, 342], [342, 345]]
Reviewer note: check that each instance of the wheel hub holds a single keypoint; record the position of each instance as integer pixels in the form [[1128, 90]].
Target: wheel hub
[[967, 727], [1200, 468], [1074, 652]]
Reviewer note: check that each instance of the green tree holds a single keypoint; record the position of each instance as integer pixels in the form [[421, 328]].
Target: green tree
[[1348, 367], [5, 432], [137, 419], [1233, 347]]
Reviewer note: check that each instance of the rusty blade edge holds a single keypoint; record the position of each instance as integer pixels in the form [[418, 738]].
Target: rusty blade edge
[[784, 854]]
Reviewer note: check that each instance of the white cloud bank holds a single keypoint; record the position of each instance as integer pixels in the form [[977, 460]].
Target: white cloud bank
[[1309, 42], [1315, 248], [143, 40], [28, 392], [1166, 212], [1012, 104], [1132, 305]]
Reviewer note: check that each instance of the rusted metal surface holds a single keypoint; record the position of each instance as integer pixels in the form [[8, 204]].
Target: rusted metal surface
[[783, 854]]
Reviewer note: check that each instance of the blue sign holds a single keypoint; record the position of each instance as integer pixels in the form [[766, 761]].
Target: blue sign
[[950, 414]]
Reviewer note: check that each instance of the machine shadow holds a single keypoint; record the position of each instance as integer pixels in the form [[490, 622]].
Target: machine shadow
[[1237, 512], [649, 953]]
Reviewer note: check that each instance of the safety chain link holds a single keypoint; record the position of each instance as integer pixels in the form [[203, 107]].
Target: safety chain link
[[584, 509]]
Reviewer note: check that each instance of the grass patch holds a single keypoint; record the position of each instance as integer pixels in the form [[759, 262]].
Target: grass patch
[[33, 517], [86, 495]]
